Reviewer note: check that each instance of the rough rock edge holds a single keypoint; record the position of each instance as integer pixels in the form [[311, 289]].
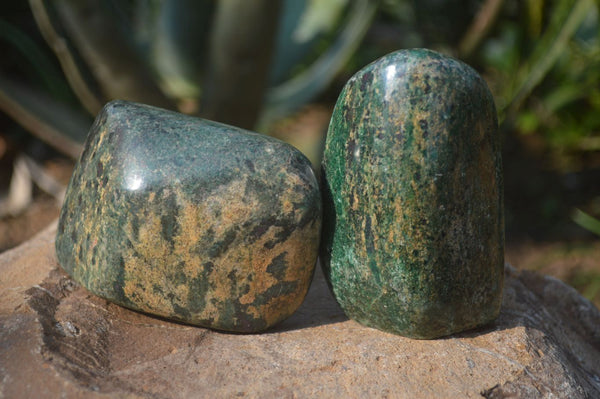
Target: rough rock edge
[[76, 344]]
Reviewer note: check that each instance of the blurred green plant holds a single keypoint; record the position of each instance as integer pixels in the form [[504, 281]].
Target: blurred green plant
[[546, 75], [586, 221], [231, 60], [246, 63], [253, 62], [540, 57]]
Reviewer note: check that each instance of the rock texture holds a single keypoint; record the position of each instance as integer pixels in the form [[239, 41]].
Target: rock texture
[[414, 228], [59, 340], [190, 219]]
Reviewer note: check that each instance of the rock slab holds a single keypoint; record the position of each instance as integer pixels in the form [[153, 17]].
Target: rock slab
[[59, 340], [191, 219], [413, 239]]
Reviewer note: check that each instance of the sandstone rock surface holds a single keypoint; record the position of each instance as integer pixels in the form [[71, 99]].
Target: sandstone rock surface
[[58, 340]]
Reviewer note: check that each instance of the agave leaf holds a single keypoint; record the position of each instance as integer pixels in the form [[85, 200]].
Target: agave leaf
[[293, 93], [319, 16], [289, 51], [57, 125], [241, 45], [304, 27], [50, 76], [69, 63], [115, 64], [173, 35]]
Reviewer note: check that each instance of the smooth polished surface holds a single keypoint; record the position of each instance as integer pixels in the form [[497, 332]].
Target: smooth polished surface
[[413, 219], [190, 219]]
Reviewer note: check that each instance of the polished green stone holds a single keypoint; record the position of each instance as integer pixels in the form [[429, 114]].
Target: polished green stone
[[190, 220], [413, 239]]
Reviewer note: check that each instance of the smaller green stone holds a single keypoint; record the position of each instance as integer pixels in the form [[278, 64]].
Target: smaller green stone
[[413, 239], [190, 219]]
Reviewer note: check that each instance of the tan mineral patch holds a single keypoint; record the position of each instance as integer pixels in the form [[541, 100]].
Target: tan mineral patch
[[145, 267], [297, 247], [153, 261]]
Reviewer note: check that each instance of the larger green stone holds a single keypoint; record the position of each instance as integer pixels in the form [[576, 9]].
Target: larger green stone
[[414, 236], [190, 219]]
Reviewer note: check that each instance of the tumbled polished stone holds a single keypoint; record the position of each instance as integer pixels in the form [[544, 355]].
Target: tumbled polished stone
[[190, 219], [413, 239]]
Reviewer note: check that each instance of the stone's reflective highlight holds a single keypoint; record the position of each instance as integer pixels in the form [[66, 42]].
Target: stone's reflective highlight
[[413, 239], [190, 219]]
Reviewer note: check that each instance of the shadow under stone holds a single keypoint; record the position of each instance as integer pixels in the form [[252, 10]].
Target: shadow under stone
[[319, 308]]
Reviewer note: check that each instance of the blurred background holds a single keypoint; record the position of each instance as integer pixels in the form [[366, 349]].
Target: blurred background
[[277, 66]]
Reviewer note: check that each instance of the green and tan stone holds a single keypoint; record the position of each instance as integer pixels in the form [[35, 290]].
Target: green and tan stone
[[190, 219], [413, 239]]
